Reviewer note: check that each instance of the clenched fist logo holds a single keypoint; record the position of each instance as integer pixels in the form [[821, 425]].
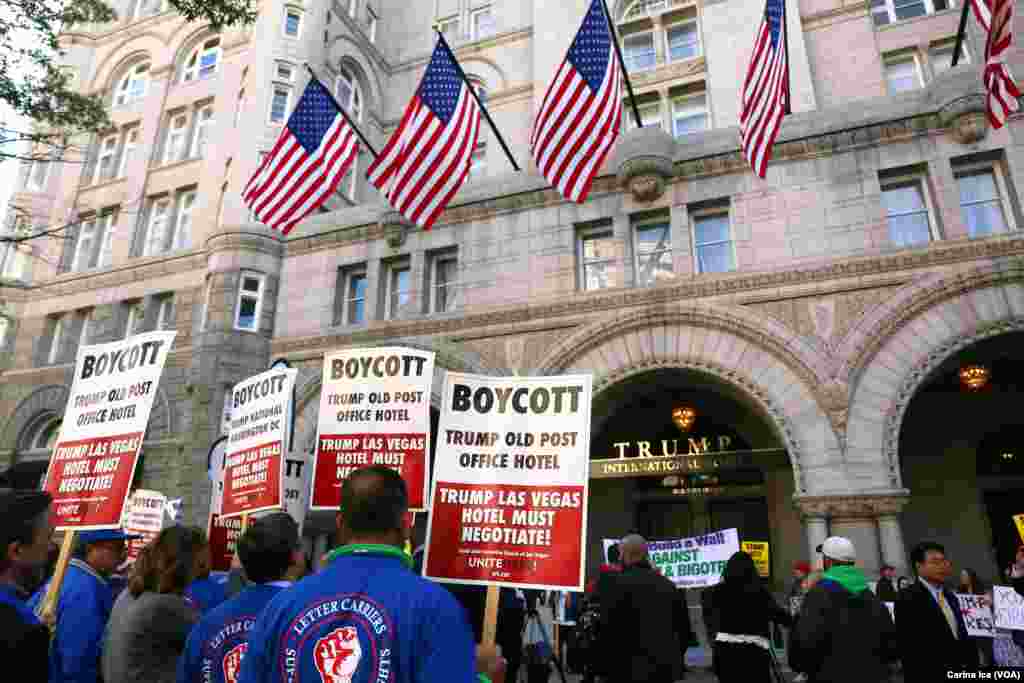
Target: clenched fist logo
[[337, 655], [233, 662]]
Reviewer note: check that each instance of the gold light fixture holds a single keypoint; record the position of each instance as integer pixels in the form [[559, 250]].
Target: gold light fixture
[[975, 377], [683, 417]]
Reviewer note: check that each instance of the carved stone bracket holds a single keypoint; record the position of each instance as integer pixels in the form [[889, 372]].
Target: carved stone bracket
[[645, 162], [853, 507], [834, 397], [966, 118], [396, 228]]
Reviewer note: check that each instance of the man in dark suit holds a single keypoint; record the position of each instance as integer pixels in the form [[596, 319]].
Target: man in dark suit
[[932, 634], [645, 628], [885, 589]]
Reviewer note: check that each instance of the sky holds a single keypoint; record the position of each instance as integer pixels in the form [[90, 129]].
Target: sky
[[9, 168]]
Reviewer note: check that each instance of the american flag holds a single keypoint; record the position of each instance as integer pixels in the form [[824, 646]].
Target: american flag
[[996, 17], [581, 114], [766, 88], [309, 159], [427, 159]]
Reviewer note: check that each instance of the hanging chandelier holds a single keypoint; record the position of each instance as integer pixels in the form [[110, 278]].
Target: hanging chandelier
[[975, 377], [683, 417]]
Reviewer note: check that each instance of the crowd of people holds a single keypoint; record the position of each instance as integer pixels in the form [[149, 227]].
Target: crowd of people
[[368, 610]]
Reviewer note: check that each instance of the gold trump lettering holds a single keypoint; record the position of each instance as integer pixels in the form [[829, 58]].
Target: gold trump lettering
[[670, 447]]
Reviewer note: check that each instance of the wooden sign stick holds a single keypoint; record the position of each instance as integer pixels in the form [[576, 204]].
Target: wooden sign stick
[[245, 521], [48, 610], [491, 616]]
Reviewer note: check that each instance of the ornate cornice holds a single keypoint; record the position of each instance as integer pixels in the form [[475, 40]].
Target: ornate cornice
[[853, 507], [135, 270]]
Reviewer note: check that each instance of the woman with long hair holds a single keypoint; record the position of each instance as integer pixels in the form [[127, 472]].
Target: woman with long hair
[[741, 609], [149, 626]]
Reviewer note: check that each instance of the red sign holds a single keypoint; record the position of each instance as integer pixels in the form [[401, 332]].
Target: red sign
[[223, 535], [341, 454], [252, 480], [89, 479]]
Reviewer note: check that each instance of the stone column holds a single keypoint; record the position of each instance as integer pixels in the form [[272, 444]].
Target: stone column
[[894, 552], [816, 528], [870, 522], [862, 530]]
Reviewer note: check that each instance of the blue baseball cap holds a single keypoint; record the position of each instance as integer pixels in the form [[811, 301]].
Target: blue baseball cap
[[100, 535]]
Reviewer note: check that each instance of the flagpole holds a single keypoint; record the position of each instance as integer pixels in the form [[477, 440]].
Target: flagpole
[[622, 63], [476, 97], [960, 33], [785, 38], [342, 110]]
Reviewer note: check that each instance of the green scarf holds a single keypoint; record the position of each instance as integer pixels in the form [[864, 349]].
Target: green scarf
[[371, 549], [849, 577]]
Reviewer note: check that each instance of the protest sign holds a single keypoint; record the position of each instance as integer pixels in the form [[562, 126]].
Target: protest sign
[[509, 500], [1019, 521], [694, 562], [253, 479], [977, 615], [374, 410], [223, 535], [1008, 609], [758, 550], [145, 516], [297, 473], [93, 462]]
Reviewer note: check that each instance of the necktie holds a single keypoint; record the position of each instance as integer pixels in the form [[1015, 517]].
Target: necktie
[[948, 613]]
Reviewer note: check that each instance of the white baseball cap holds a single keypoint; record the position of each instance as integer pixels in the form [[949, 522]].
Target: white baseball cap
[[838, 548]]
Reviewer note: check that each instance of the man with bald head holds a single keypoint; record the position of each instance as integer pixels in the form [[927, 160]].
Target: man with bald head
[[645, 628]]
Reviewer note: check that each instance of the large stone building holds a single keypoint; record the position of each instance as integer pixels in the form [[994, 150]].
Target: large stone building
[[816, 321]]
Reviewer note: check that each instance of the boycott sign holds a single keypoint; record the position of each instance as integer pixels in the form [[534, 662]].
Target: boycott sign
[[258, 437], [1009, 608], [691, 562], [374, 410], [223, 535], [758, 550], [145, 517], [977, 615], [509, 501], [104, 423]]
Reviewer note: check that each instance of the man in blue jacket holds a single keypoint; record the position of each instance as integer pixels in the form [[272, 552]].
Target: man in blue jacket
[[366, 617], [83, 606], [269, 549]]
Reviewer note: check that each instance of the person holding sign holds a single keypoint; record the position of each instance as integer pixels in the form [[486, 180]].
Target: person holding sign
[[25, 532], [366, 616]]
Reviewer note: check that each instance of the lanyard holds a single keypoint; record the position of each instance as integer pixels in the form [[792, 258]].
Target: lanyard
[[371, 549]]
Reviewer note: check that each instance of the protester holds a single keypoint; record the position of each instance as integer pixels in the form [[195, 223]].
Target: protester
[[844, 632], [83, 606], [645, 628], [366, 611], [609, 568], [206, 591], [886, 588], [513, 606], [970, 584], [149, 626], [1016, 571], [25, 533], [932, 634], [270, 550], [738, 611], [801, 570]]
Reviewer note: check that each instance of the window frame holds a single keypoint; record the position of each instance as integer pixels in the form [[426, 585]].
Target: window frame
[[450, 20], [947, 44], [104, 153], [643, 107], [192, 73], [890, 11], [56, 334], [172, 131], [290, 11], [354, 106], [677, 99], [635, 228], [275, 90], [900, 57], [654, 51], [92, 221], [168, 215], [31, 184], [200, 129], [474, 28], [128, 148], [903, 180], [83, 333], [261, 279], [180, 213], [163, 312], [105, 222], [1002, 191], [668, 44], [436, 261], [650, 7], [582, 235], [136, 317], [394, 309], [712, 212], [137, 10], [348, 275], [124, 88]]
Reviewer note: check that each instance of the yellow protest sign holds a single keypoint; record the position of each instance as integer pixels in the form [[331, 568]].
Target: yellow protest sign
[[1019, 521], [759, 551]]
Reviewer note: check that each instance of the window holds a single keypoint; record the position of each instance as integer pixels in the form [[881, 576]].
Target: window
[[136, 318], [285, 72], [133, 85], [131, 143], [174, 147], [643, 8], [203, 61], [292, 22], [202, 132], [56, 339], [483, 25], [712, 243], [353, 286], [165, 313], [650, 114], [349, 94], [371, 24], [159, 218], [444, 283], [107, 222], [599, 257], [43, 434], [638, 51], [182, 234], [683, 41], [398, 294], [37, 173], [85, 334], [889, 11], [902, 74], [653, 251], [941, 56], [981, 201], [689, 114], [108, 155], [250, 301], [5, 328], [449, 26], [13, 259], [95, 241], [907, 212], [279, 104], [85, 246], [147, 8]]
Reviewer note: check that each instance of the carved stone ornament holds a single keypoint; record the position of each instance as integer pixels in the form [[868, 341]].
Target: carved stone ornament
[[966, 118], [645, 162], [835, 400], [853, 507], [396, 228]]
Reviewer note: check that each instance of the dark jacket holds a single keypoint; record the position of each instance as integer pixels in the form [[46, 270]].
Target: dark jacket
[[844, 632], [885, 591], [146, 637], [25, 641], [645, 628], [927, 645], [740, 612]]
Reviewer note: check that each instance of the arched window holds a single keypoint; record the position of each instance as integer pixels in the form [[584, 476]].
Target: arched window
[[133, 85], [41, 434], [349, 94], [203, 61]]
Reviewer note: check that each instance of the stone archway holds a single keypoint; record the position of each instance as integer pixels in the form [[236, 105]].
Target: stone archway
[[771, 366], [51, 398]]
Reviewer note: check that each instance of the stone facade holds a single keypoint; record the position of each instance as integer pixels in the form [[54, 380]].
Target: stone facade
[[824, 325]]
